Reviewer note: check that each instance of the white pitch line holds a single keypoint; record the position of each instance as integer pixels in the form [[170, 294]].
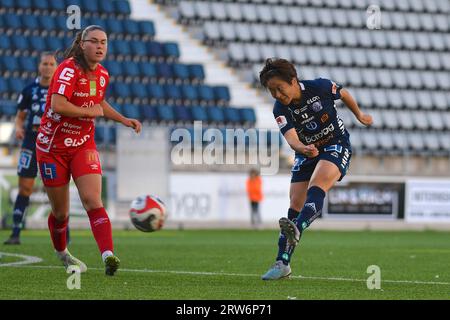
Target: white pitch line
[[26, 259], [200, 273]]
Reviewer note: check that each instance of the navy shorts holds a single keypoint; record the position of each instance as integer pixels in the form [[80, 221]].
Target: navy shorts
[[339, 154], [27, 166]]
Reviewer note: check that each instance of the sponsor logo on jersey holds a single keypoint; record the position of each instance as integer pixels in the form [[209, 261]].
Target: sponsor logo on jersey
[[43, 138], [81, 94], [53, 115], [70, 142], [67, 74], [25, 159], [311, 126], [92, 88], [316, 106], [316, 137], [281, 121], [82, 81], [313, 99], [102, 81], [62, 89], [324, 118]]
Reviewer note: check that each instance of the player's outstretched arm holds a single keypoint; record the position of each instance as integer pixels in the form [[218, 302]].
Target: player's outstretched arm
[[294, 142], [110, 113], [364, 118]]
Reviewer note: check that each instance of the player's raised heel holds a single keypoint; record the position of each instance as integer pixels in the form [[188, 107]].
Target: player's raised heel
[[70, 261], [290, 230], [278, 271], [111, 265]]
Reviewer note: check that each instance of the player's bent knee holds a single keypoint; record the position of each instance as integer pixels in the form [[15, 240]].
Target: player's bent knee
[[91, 203], [60, 215]]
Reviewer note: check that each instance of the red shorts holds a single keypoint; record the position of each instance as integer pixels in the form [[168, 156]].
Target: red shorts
[[56, 168]]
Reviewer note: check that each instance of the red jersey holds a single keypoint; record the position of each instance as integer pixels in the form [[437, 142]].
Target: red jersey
[[59, 133]]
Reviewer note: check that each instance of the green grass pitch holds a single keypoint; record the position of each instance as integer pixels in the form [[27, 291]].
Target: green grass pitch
[[224, 264]]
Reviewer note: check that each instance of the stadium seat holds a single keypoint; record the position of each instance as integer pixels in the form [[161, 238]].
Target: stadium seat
[[131, 27], [164, 70], [183, 113], [90, 6], [114, 68], [199, 113], [222, 94], [54, 44], [28, 63], [173, 93], [139, 90], [122, 7], [155, 50], [166, 113], [12, 21], [20, 42], [10, 63], [149, 113], [8, 108], [147, 69], [138, 48], [3, 86], [30, 22], [122, 47], [5, 42], [131, 68], [189, 92], [121, 89], [232, 115], [147, 28], [114, 26], [181, 72], [106, 6], [206, 93], [171, 50], [132, 111], [156, 92], [248, 115]]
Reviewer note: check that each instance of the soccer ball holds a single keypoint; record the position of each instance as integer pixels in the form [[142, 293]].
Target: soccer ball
[[148, 213]]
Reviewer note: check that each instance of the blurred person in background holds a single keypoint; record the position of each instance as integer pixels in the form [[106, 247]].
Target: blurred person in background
[[30, 108], [255, 196]]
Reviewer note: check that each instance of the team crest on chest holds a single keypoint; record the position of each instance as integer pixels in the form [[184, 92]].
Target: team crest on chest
[[316, 106]]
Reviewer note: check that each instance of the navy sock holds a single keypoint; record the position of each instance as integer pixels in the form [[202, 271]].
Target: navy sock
[[285, 251], [20, 206], [312, 208]]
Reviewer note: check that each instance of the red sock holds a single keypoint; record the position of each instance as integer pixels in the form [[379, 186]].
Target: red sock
[[58, 231], [101, 228]]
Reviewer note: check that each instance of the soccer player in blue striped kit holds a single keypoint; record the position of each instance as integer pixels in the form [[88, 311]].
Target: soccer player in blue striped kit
[[30, 107], [306, 115]]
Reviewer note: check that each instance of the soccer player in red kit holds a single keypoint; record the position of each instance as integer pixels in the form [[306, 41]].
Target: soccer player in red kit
[[66, 147]]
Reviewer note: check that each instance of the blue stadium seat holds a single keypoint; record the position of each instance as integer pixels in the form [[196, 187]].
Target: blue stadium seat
[[131, 27], [41, 4], [47, 22], [54, 43], [5, 42], [147, 28], [12, 21], [173, 92], [122, 47], [30, 22], [2, 24], [183, 113], [232, 115], [196, 72], [90, 6], [148, 69], [106, 6], [112, 135], [156, 91], [38, 43], [100, 133], [114, 68], [189, 92], [10, 63], [222, 93], [180, 71], [99, 22], [155, 49], [61, 22], [215, 114], [132, 111], [23, 4], [199, 113], [7, 4], [20, 43], [138, 48], [16, 85], [248, 115], [131, 68], [57, 5], [166, 113], [139, 90], [171, 50], [8, 108], [122, 7], [117, 107], [149, 113], [206, 93], [121, 89], [3, 86], [28, 63], [164, 70], [114, 26]]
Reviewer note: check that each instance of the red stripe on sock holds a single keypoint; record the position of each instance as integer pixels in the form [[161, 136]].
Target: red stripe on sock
[[101, 228], [58, 231]]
